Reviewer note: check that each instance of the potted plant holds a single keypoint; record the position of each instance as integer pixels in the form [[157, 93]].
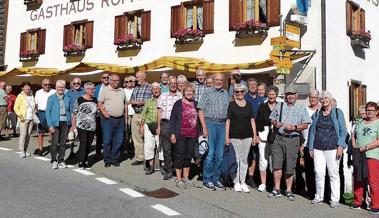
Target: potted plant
[[250, 28], [29, 55], [74, 50], [188, 36], [128, 42], [361, 38]]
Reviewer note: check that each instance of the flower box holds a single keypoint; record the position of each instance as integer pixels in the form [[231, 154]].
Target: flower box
[[361, 39], [250, 28], [188, 36], [128, 43], [29, 55], [74, 50]]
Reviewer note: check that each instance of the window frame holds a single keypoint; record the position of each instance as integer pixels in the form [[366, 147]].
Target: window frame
[[358, 97], [121, 25], [69, 34], [39, 41], [355, 18]]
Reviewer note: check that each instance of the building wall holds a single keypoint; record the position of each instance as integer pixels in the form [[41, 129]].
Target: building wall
[[3, 30]]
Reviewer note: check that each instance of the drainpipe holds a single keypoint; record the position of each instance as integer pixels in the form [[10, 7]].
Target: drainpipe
[[323, 44]]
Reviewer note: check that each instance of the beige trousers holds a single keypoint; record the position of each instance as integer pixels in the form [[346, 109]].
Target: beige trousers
[[137, 137], [25, 131]]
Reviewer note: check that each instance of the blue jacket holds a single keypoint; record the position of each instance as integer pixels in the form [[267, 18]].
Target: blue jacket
[[73, 95], [339, 125], [53, 110]]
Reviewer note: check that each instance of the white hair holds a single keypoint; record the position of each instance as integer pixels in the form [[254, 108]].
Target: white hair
[[61, 83], [155, 84], [314, 91], [182, 78], [200, 70], [88, 85], [326, 94], [240, 86]]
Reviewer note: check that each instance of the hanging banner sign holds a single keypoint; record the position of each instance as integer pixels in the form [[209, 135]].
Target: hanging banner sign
[[292, 33]]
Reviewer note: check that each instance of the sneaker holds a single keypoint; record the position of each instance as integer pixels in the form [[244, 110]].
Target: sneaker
[[262, 188], [180, 184], [27, 154], [81, 166], [87, 166], [237, 187], [54, 165], [23, 155], [374, 211], [244, 188], [220, 186], [275, 194], [316, 201], [188, 182], [290, 196], [353, 206], [62, 165], [209, 186], [333, 204]]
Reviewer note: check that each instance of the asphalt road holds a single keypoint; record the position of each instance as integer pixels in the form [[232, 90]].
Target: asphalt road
[[30, 189]]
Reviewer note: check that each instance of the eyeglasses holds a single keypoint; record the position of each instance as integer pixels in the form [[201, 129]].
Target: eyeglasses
[[75, 83], [47, 84], [105, 77], [130, 81], [239, 92], [370, 110]]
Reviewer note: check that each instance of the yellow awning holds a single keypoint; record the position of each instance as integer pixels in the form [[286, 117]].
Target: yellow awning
[[33, 71]]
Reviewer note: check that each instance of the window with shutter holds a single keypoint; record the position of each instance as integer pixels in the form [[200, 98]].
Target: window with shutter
[[77, 37], [32, 44], [356, 25], [358, 97]]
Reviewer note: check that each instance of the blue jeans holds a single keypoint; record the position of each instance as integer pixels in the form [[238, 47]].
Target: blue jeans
[[216, 142], [113, 133]]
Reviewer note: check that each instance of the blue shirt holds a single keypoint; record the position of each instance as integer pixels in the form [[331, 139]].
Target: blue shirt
[[53, 113], [73, 94], [255, 102]]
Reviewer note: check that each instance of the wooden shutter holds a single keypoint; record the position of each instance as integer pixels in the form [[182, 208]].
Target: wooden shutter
[[273, 12], [68, 37], [208, 17], [349, 18], [177, 21], [23, 42], [89, 34], [145, 25], [362, 19], [41, 41], [119, 24], [235, 13]]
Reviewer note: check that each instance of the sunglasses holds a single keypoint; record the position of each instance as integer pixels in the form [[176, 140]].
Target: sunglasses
[[75, 83], [130, 81], [105, 77], [47, 84], [239, 92]]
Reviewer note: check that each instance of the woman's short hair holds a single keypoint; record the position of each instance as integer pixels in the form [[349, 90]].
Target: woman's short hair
[[25, 83], [362, 108], [189, 85], [273, 88], [372, 104], [61, 82], [88, 85], [326, 94], [240, 86], [182, 78]]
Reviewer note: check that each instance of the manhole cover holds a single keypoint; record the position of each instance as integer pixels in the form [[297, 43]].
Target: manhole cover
[[161, 193]]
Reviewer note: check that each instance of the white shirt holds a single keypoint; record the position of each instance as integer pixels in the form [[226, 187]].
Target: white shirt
[[305, 132], [128, 93], [29, 108], [41, 98]]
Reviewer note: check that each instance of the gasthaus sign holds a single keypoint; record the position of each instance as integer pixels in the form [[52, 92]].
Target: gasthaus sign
[[69, 8]]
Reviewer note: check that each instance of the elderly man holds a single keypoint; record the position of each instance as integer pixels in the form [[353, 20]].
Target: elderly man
[[12, 117], [99, 133], [149, 129], [213, 111], [164, 82], [165, 103], [290, 119], [41, 101], [200, 83], [3, 106], [210, 81], [129, 84], [140, 94], [114, 109]]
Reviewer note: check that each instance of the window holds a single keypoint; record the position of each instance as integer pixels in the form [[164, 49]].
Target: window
[[358, 97], [196, 15], [32, 42], [355, 19], [78, 34], [264, 11], [135, 23]]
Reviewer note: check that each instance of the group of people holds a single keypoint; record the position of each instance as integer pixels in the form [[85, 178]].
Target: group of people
[[165, 119]]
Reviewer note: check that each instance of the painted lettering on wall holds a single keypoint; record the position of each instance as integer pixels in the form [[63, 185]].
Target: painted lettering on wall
[[69, 8]]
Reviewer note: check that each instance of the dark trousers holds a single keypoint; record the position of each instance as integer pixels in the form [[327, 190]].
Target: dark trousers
[[183, 151], [165, 143], [99, 135], [12, 117], [128, 146], [85, 138], [113, 134], [310, 178], [58, 145]]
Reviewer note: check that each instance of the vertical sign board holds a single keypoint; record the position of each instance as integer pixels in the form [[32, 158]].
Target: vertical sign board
[[292, 33]]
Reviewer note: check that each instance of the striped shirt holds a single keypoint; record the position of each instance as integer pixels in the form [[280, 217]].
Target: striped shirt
[[149, 112], [199, 90], [141, 93], [166, 102], [294, 115], [214, 103]]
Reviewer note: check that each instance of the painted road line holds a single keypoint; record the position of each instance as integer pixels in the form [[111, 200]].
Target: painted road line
[[70, 166], [84, 172], [42, 158], [106, 181], [131, 192], [165, 210], [18, 152], [5, 149]]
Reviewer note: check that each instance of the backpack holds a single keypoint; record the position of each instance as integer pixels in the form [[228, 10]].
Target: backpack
[[228, 166]]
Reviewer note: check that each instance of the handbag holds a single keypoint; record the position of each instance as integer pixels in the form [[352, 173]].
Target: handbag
[[36, 119], [273, 130]]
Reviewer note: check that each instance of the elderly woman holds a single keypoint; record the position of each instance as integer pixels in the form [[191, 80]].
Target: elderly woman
[[366, 141], [25, 108], [263, 125], [240, 131], [84, 120], [184, 131], [326, 142], [58, 120], [261, 90], [182, 80]]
